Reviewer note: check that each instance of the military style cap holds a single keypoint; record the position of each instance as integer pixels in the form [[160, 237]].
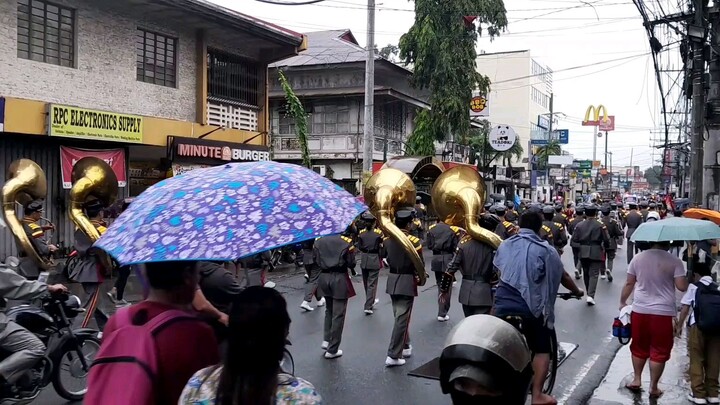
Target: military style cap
[[548, 209], [487, 206], [580, 208], [605, 209], [492, 209], [93, 204], [591, 209], [418, 198], [405, 213], [499, 209], [509, 204], [653, 205], [34, 206], [558, 208], [367, 216]]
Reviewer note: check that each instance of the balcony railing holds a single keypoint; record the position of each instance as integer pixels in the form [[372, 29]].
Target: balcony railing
[[328, 145]]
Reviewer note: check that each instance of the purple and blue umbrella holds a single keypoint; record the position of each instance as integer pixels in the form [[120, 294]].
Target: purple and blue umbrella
[[229, 212]]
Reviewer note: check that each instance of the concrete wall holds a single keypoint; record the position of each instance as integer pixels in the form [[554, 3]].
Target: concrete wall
[[104, 76]]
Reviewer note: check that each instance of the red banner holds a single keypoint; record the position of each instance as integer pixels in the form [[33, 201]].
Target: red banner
[[114, 157]]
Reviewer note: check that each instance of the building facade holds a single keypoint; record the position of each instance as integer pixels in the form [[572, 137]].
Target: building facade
[[329, 79], [133, 79]]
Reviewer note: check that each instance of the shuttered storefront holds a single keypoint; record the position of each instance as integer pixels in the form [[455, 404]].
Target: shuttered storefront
[[45, 151]]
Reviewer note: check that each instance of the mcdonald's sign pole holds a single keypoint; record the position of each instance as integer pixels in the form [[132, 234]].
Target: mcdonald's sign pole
[[592, 119]]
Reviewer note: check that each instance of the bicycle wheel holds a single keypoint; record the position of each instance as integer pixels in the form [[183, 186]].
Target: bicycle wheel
[[287, 364], [552, 370]]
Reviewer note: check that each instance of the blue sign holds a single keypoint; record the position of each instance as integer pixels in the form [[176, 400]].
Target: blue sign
[[543, 122], [2, 113], [561, 136]]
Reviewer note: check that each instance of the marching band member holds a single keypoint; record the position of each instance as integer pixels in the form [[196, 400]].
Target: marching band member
[[369, 243], [592, 236], [579, 217], [511, 215], [402, 287], [89, 270], [560, 217], [505, 228], [557, 229], [442, 240], [614, 232], [312, 272], [36, 233], [335, 255], [474, 260]]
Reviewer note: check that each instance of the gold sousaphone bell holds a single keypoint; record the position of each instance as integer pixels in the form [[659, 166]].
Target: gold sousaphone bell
[[25, 182], [458, 196], [92, 178], [385, 192]]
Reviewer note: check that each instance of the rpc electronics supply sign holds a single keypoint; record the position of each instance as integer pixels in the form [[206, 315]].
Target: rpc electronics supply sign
[[73, 122]]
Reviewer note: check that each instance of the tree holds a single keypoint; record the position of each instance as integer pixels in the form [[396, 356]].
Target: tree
[[484, 154], [552, 148], [390, 52], [653, 175], [441, 48], [296, 110]]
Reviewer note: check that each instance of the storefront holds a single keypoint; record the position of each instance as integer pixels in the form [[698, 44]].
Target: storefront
[[185, 154]]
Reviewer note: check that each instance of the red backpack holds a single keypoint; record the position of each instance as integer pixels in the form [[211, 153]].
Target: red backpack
[[125, 368]]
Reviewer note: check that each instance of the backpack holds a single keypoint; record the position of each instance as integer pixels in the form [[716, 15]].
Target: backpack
[[124, 370], [706, 308]]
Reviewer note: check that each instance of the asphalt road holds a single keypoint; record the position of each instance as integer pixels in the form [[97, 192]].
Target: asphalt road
[[359, 376]]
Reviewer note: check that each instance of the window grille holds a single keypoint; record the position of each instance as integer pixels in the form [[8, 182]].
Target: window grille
[[156, 55], [233, 78], [45, 32]]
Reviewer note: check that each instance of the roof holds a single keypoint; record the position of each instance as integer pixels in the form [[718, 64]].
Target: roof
[[331, 47], [502, 53], [232, 17]]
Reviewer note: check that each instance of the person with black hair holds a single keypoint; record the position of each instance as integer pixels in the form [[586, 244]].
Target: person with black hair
[[560, 217], [117, 293], [89, 270], [442, 240], [402, 287], [335, 255], [593, 237], [505, 228], [250, 372], [531, 272], [182, 347], [559, 237], [511, 215], [614, 232]]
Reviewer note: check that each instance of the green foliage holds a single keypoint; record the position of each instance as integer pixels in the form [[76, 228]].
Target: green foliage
[[552, 148], [441, 48], [389, 52], [480, 144], [653, 175], [296, 110]]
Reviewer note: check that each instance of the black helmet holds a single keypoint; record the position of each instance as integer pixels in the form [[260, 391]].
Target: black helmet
[[486, 351], [499, 209], [548, 209]]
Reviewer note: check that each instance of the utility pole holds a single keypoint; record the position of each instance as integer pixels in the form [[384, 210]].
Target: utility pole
[[547, 151], [369, 122], [697, 34], [606, 152], [711, 175]]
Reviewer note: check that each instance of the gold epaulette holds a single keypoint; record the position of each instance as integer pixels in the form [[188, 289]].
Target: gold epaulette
[[559, 225], [432, 226], [377, 231], [547, 229], [413, 239], [465, 239], [346, 239], [507, 224], [362, 231], [454, 228]]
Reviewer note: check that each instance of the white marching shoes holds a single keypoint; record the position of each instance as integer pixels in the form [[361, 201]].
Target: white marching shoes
[[443, 318], [306, 306], [321, 303], [390, 362], [335, 355], [407, 352], [325, 344]]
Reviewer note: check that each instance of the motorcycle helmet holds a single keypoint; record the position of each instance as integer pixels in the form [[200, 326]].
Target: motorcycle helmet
[[485, 360]]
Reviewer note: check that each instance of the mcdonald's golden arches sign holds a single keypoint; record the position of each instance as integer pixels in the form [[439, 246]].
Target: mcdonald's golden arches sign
[[592, 116]]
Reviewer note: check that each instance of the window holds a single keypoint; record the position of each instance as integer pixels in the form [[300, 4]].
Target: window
[[156, 56], [540, 98], [330, 119], [46, 32], [232, 78], [287, 125]]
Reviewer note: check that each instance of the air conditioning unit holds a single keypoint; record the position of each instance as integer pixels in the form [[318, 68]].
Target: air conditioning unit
[[319, 169]]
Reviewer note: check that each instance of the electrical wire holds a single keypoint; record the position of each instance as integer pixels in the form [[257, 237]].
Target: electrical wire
[[290, 2]]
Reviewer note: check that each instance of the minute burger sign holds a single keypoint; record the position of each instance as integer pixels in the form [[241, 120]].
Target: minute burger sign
[[201, 151]]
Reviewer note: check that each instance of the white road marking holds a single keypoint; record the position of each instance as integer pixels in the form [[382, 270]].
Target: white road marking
[[578, 379]]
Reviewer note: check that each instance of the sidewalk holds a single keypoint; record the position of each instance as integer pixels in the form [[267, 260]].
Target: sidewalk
[[674, 382]]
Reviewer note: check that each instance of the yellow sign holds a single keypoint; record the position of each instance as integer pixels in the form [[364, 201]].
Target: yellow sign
[[479, 106], [73, 122], [594, 113]]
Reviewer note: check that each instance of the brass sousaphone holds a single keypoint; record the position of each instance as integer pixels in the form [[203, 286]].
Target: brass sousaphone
[[458, 196], [385, 192], [92, 178], [26, 181]]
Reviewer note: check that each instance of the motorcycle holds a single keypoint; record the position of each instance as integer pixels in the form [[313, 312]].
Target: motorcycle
[[68, 351]]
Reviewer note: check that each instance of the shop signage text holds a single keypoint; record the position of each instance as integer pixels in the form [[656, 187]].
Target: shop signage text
[[73, 122], [201, 151]]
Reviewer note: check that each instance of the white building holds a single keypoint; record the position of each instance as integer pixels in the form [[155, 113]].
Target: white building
[[519, 91]]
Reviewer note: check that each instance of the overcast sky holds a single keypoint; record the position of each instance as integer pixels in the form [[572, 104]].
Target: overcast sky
[[561, 34]]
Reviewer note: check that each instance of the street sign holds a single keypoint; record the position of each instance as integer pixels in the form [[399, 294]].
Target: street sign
[[502, 138], [543, 122], [556, 172], [585, 164], [560, 136]]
